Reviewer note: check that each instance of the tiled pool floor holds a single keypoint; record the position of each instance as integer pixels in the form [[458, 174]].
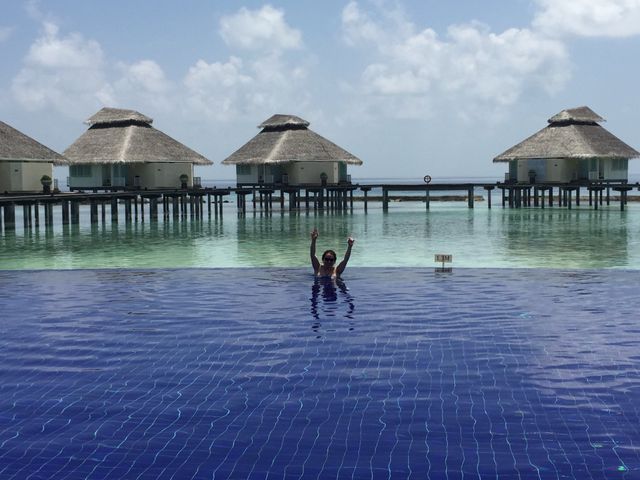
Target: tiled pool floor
[[264, 373]]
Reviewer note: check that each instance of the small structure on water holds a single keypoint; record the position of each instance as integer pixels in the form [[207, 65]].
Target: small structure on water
[[122, 149], [25, 164], [573, 147], [286, 152]]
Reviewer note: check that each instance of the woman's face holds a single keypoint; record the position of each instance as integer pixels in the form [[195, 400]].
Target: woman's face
[[329, 259]]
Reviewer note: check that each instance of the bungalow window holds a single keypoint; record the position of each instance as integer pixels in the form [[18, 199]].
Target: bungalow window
[[243, 169], [619, 164], [80, 170], [119, 170]]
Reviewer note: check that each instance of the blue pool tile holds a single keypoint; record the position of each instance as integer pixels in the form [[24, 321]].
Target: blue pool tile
[[462, 386]]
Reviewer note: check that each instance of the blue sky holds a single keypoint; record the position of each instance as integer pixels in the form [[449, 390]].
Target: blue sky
[[410, 87]]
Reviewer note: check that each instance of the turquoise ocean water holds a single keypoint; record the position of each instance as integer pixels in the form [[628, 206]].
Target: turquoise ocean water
[[407, 235]]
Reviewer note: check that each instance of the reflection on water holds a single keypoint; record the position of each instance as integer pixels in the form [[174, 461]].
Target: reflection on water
[[567, 238], [330, 300], [406, 236]]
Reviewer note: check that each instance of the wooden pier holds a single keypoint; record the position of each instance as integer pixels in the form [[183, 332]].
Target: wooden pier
[[176, 205]]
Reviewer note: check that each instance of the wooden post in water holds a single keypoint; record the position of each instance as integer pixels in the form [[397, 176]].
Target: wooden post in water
[[366, 191], [36, 213], [470, 197], [114, 210], [65, 213], [176, 207], [9, 217], [489, 190], [127, 210], [385, 199], [153, 209], [75, 212], [48, 215], [94, 211], [25, 216], [427, 198]]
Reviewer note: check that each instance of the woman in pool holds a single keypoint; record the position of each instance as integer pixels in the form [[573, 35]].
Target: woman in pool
[[328, 267]]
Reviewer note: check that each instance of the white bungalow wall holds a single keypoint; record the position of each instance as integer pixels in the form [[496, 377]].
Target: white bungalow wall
[[298, 173], [23, 176], [551, 170], [92, 180], [159, 175], [616, 169], [150, 175], [310, 172], [567, 170]]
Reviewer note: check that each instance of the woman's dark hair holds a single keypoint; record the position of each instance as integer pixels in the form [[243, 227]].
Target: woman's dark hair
[[335, 257]]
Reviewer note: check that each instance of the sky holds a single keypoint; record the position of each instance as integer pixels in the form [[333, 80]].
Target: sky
[[410, 87]]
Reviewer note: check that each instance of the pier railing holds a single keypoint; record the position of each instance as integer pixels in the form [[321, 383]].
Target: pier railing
[[179, 204]]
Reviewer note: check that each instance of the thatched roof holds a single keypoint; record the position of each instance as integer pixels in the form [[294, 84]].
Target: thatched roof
[[118, 115], [126, 136], [572, 133], [16, 146], [286, 138], [579, 114]]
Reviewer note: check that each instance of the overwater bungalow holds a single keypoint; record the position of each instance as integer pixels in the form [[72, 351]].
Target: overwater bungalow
[[573, 147], [122, 149], [25, 164], [287, 152]]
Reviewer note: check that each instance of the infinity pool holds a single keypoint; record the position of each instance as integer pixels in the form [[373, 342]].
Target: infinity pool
[[265, 373]]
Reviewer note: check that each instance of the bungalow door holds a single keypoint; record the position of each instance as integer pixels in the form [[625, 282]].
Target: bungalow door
[[106, 175], [342, 172]]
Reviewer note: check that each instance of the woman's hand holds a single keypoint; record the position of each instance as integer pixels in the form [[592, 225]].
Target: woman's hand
[[350, 241], [314, 234]]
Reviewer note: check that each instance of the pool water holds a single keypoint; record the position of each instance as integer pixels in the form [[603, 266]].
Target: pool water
[[266, 373]]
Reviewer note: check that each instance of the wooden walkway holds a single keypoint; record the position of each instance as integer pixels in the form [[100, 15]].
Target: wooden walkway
[[192, 203]]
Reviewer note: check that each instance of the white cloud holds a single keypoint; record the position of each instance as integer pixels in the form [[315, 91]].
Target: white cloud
[[607, 18], [62, 72], [358, 28], [216, 88], [470, 65], [71, 74], [225, 91], [143, 83], [263, 29], [260, 82]]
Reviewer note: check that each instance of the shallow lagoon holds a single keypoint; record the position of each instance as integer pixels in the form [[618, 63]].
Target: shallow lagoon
[[406, 235]]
